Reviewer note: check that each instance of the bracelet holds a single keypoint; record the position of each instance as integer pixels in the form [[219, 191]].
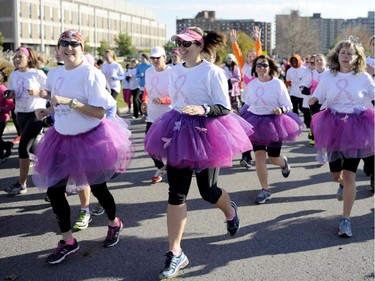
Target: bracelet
[[282, 109]]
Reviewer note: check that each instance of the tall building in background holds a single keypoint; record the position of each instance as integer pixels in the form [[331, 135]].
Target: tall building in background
[[38, 23], [314, 34], [207, 21]]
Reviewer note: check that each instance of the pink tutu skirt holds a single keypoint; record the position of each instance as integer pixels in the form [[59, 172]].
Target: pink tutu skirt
[[338, 135], [85, 159], [198, 142], [273, 128]]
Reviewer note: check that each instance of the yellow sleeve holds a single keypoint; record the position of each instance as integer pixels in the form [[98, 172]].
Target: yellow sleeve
[[238, 54]]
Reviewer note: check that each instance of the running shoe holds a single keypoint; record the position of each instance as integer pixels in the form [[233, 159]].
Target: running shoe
[[173, 264], [62, 251]]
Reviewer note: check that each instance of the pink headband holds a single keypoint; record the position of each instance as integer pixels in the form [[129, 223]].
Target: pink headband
[[188, 35], [25, 50]]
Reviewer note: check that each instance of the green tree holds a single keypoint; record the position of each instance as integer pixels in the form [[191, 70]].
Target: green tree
[[244, 41], [87, 46], [169, 46], [124, 45], [1, 39], [104, 45]]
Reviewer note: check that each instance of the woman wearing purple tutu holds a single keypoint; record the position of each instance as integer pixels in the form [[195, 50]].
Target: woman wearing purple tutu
[[344, 131], [82, 148], [269, 109], [199, 134]]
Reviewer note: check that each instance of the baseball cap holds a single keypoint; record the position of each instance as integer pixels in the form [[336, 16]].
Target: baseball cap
[[157, 52]]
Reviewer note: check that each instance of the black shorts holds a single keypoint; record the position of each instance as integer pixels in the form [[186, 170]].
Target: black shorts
[[273, 150], [349, 164]]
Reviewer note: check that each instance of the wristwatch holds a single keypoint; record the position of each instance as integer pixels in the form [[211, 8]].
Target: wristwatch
[[73, 103]]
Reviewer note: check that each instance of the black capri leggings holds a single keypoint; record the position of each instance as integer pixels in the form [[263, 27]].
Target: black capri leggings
[[349, 164], [61, 208], [179, 184], [30, 127]]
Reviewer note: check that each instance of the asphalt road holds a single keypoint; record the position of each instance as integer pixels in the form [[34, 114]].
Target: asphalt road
[[292, 237]]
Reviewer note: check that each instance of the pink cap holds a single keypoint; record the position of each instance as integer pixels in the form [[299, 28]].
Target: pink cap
[[188, 35]]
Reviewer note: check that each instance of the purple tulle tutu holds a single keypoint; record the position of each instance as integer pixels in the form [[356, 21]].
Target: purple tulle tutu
[[85, 159], [198, 142], [339, 135], [273, 128]]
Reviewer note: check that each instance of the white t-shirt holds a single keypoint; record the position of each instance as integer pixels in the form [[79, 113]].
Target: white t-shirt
[[295, 75], [264, 97], [312, 78], [345, 92], [20, 82], [157, 86], [126, 83], [85, 83], [204, 83], [370, 61], [112, 71], [134, 81]]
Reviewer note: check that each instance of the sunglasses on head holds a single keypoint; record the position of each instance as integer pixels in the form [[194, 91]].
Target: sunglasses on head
[[186, 44], [261, 65], [65, 43]]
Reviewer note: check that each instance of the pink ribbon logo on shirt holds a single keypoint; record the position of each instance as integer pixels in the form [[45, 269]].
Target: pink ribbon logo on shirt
[[178, 84], [341, 85], [259, 96], [20, 86]]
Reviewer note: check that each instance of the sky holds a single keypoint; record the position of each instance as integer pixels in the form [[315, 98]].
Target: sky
[[167, 11]]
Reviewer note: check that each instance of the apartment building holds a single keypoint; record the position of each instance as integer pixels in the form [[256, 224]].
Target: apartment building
[[207, 21], [38, 23], [324, 31]]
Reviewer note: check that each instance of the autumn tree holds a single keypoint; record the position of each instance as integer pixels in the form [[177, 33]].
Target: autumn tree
[[359, 32]]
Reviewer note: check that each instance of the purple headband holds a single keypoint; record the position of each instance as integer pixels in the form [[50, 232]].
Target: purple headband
[[25, 50]]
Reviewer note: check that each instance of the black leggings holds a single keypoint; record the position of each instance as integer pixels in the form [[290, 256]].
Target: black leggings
[[61, 208], [137, 102], [114, 93], [30, 128], [349, 164], [179, 184]]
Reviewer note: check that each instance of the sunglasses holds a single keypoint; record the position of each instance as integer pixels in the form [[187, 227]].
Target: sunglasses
[[186, 44], [65, 43], [155, 58], [261, 65]]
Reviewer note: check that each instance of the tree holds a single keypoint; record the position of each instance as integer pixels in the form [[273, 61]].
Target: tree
[[124, 45], [244, 41], [104, 45], [169, 46], [363, 33], [87, 47], [295, 34]]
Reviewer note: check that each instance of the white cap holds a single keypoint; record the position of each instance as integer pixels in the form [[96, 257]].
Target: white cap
[[157, 52]]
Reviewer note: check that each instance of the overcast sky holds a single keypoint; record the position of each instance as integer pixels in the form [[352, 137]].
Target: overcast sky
[[167, 11]]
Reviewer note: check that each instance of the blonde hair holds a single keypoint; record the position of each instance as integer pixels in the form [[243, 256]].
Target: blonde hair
[[333, 57], [112, 53]]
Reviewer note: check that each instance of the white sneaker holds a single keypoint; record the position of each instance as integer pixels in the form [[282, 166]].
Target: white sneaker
[[83, 220]]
